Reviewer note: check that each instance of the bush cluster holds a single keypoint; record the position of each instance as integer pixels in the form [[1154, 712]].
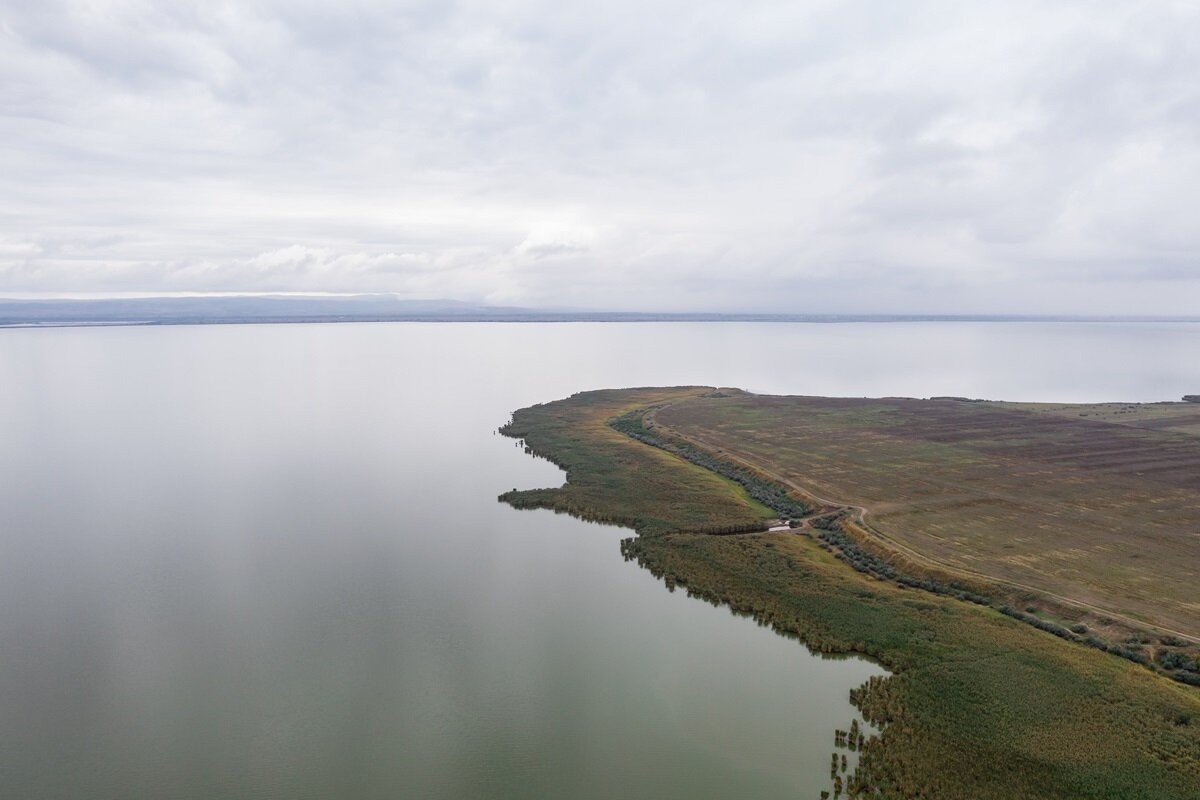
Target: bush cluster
[[871, 564], [771, 494], [1173, 659], [1039, 623], [1127, 651]]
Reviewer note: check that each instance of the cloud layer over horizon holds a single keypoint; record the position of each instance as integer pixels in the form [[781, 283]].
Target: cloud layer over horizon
[[933, 157]]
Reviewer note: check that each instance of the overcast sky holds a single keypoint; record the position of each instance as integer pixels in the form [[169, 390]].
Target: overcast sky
[[792, 156]]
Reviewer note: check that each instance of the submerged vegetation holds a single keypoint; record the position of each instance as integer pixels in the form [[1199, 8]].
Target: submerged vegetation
[[980, 704]]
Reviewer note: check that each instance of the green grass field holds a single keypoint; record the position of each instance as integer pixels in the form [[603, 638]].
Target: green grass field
[[979, 705]]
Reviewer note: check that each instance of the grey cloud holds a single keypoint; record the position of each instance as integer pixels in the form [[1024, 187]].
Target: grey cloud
[[826, 156]]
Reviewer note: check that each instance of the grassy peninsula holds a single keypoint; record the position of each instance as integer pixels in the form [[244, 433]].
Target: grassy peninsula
[[1008, 681]]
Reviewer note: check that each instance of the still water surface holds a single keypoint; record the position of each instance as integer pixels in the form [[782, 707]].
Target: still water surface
[[268, 562]]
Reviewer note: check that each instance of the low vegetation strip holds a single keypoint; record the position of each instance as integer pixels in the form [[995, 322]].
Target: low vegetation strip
[[979, 705], [771, 494], [829, 531], [609, 481]]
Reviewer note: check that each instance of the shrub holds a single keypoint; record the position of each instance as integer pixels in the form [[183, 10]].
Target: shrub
[[1173, 659], [771, 494], [1190, 678]]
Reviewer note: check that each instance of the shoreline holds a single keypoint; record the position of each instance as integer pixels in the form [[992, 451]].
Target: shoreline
[[933, 730]]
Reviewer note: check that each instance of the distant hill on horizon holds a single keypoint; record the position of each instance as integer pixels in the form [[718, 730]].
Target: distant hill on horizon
[[245, 309]]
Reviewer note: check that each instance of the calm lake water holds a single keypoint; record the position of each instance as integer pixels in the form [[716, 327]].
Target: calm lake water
[[268, 561]]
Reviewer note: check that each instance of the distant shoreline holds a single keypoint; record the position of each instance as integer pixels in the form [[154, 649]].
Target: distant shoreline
[[278, 309], [606, 317]]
